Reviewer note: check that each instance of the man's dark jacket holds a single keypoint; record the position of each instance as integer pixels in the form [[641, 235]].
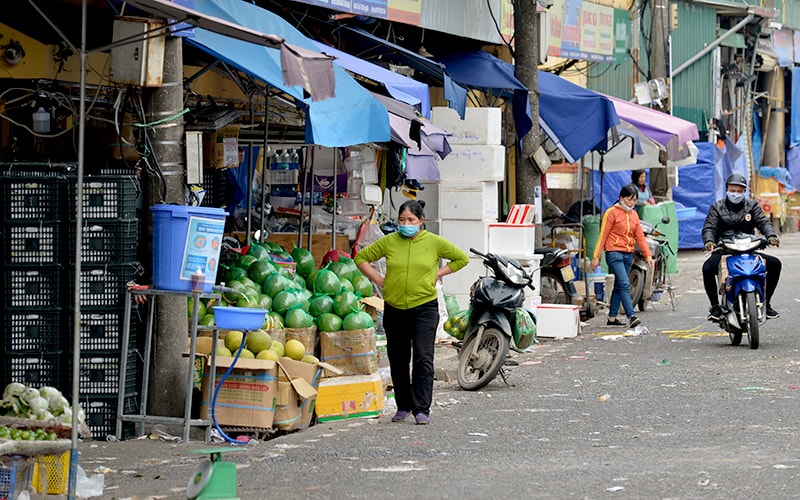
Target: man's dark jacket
[[725, 220]]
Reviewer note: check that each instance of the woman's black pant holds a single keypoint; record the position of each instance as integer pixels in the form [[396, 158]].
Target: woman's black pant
[[411, 335], [711, 267]]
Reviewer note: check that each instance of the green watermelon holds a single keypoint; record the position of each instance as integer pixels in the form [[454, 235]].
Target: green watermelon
[[265, 301], [320, 305], [274, 247], [245, 261], [304, 260], [362, 286], [237, 293], [277, 320], [340, 268], [258, 251], [259, 270], [284, 301], [329, 322], [302, 301], [298, 318], [359, 320], [347, 285], [274, 284], [235, 273], [327, 282], [345, 303], [311, 279]]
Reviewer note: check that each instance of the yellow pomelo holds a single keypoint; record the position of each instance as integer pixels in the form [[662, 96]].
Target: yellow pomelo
[[248, 354], [268, 354], [224, 352], [310, 359], [294, 349], [258, 340], [233, 340], [277, 347]]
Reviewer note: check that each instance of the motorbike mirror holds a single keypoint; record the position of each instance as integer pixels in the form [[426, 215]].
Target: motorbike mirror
[[665, 219]]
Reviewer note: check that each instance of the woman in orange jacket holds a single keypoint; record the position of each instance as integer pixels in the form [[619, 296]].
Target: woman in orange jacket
[[620, 231]]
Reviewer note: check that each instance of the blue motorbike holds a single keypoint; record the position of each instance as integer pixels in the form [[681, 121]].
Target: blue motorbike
[[742, 278]]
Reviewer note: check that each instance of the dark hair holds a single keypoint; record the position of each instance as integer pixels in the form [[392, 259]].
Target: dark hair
[[416, 207], [635, 175], [627, 191]]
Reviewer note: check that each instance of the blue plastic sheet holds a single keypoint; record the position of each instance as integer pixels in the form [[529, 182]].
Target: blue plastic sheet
[[696, 188]]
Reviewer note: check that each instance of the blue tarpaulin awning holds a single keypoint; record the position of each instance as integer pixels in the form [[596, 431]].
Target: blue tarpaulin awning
[[400, 87], [353, 116]]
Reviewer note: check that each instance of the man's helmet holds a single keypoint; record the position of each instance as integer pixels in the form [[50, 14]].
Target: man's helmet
[[736, 180]]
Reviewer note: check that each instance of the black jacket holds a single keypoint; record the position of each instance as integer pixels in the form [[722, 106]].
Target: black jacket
[[725, 219]]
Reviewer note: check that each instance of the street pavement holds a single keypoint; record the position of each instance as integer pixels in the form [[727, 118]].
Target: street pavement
[[669, 411]]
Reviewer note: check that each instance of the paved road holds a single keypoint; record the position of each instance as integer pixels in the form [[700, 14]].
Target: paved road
[[659, 415]]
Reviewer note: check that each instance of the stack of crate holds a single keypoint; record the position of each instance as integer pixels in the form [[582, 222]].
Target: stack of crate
[[109, 260], [33, 277], [468, 190]]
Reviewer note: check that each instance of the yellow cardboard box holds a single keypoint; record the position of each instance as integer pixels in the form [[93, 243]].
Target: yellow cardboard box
[[221, 147], [353, 351], [247, 398], [349, 396], [297, 392]]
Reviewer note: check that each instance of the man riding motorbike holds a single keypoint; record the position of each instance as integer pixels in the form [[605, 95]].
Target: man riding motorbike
[[725, 218]]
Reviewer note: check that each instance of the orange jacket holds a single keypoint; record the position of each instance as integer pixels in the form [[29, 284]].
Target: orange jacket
[[620, 231]]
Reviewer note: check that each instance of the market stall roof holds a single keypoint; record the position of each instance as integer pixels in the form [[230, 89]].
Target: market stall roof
[[353, 116], [424, 140], [576, 119], [670, 131], [400, 87], [631, 150]]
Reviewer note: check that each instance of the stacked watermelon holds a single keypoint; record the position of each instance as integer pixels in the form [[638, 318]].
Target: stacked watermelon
[[297, 295]]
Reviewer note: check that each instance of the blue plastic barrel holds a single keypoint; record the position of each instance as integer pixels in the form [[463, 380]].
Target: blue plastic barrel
[[186, 239]]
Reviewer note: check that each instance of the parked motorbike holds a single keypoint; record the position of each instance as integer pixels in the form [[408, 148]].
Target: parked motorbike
[[648, 284], [556, 276], [742, 279], [493, 302]]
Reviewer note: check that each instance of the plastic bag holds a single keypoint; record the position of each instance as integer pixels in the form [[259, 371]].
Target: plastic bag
[[524, 329], [452, 305], [458, 323]]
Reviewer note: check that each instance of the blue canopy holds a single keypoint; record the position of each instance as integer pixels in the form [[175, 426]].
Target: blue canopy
[[400, 87], [352, 117], [575, 119], [480, 70]]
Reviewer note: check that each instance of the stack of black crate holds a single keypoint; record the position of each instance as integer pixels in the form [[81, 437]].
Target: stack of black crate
[[33, 244], [109, 260]]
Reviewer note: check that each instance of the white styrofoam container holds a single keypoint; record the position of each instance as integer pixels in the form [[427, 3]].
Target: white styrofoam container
[[474, 162], [461, 281], [468, 201], [465, 234], [558, 321], [479, 126], [513, 240]]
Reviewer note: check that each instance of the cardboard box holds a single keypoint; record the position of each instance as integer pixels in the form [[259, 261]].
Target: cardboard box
[[308, 336], [373, 306], [247, 398], [349, 396], [557, 320], [221, 147], [297, 393], [353, 351]]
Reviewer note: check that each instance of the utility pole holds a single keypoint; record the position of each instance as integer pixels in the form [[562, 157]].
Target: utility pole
[[659, 68], [168, 368], [526, 63]]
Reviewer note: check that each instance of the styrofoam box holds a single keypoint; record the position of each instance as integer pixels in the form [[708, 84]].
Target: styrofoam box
[[474, 162], [465, 234], [479, 126], [461, 281], [468, 201], [558, 321], [513, 240]]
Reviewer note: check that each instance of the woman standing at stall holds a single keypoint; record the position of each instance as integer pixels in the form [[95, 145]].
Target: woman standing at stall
[[644, 196], [411, 310], [620, 231]]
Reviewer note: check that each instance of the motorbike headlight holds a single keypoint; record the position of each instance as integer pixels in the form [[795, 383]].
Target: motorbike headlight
[[514, 274]]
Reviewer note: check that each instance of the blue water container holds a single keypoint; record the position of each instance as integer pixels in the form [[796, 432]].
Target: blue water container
[[186, 239]]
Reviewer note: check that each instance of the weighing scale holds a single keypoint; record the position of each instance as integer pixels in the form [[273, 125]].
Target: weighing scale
[[214, 479]]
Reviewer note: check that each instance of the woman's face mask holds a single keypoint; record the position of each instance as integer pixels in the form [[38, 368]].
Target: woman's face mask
[[627, 203], [408, 230]]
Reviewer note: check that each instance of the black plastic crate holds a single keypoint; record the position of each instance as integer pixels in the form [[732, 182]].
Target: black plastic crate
[[101, 330], [37, 169], [100, 373], [101, 415], [33, 287], [29, 243], [28, 198], [106, 241], [36, 369], [217, 188], [105, 286], [34, 331], [106, 197]]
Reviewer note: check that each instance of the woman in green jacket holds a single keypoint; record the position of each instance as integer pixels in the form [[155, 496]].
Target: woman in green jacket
[[411, 311]]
